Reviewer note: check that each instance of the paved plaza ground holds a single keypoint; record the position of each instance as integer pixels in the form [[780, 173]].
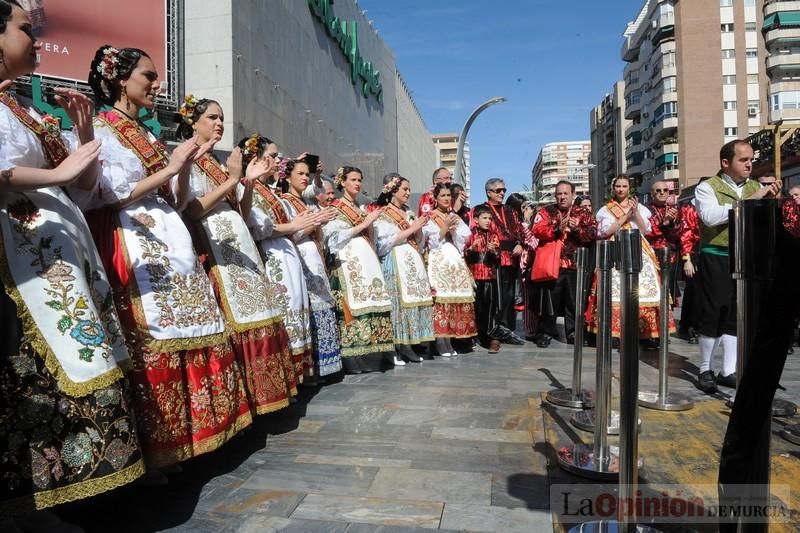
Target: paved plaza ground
[[454, 444]]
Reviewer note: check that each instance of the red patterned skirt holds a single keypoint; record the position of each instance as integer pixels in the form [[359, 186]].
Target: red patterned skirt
[[186, 402], [649, 320], [271, 371], [454, 320], [270, 374]]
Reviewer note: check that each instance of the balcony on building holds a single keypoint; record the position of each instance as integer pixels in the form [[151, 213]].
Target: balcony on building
[[781, 28], [772, 7], [666, 145], [633, 104], [784, 115], [665, 28], [784, 61], [634, 162], [665, 127]]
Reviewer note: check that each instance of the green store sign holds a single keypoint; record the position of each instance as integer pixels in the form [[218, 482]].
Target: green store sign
[[345, 33]]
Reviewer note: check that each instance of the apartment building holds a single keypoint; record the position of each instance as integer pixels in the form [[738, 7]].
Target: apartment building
[[608, 125], [781, 30], [695, 78], [446, 145], [560, 161]]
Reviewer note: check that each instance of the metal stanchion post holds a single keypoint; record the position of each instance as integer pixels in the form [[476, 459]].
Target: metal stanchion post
[[629, 264], [585, 420], [753, 235], [596, 461], [576, 397], [663, 400]]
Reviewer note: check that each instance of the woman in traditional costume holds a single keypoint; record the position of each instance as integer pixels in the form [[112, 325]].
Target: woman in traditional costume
[[363, 307], [66, 429], [325, 335], [397, 234], [188, 390], [451, 281], [263, 211], [249, 302], [624, 212]]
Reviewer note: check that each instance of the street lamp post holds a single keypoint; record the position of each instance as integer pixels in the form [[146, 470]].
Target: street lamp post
[[458, 176]]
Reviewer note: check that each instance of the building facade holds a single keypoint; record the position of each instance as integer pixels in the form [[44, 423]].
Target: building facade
[[560, 161], [781, 30], [695, 79], [446, 145], [312, 76], [607, 124]]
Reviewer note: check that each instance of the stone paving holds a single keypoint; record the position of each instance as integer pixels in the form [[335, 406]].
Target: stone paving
[[452, 444]]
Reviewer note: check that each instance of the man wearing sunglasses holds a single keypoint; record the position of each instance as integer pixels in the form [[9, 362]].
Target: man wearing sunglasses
[[666, 228], [507, 227], [440, 175]]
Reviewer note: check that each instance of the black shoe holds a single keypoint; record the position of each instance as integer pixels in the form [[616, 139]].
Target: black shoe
[[727, 381], [543, 340], [706, 382], [513, 339], [649, 345], [571, 338], [790, 351], [692, 340]]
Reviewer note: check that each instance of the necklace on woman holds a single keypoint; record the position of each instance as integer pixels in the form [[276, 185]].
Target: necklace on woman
[[115, 108]]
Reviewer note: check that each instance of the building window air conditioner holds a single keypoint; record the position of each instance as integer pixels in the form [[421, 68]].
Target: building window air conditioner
[[752, 112], [645, 115]]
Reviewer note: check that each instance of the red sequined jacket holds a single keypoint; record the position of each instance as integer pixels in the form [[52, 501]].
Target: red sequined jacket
[[506, 225], [481, 262], [425, 204], [546, 228], [690, 230], [664, 234]]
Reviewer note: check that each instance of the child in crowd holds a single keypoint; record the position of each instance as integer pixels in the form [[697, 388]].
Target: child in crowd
[[481, 254]]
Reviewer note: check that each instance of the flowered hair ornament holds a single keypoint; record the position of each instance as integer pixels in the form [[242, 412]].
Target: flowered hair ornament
[[108, 68], [392, 185], [187, 108], [339, 179], [252, 145]]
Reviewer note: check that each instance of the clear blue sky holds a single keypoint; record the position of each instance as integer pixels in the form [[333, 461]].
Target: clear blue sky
[[553, 59]]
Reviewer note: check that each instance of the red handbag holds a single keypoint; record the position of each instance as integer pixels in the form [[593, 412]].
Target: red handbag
[[547, 261]]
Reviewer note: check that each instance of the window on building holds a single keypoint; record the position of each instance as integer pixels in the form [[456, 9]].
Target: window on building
[[725, 3], [728, 53], [729, 79], [753, 107], [752, 78], [730, 132], [751, 52], [729, 105], [749, 3], [726, 28], [750, 26]]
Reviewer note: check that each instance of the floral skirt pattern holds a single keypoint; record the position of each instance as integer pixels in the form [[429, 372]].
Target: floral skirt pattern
[[327, 353], [649, 320], [55, 448], [454, 320], [270, 374], [188, 402], [411, 325]]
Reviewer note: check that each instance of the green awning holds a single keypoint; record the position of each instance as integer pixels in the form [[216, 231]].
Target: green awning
[[769, 21], [665, 159], [788, 18]]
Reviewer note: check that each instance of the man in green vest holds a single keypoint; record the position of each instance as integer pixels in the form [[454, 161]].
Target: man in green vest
[[716, 299]]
